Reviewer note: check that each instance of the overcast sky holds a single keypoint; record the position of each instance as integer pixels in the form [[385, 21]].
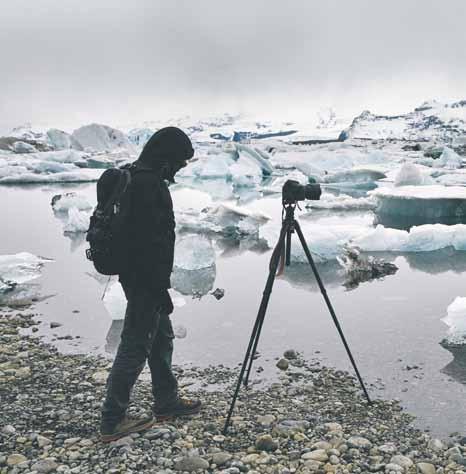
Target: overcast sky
[[70, 62]]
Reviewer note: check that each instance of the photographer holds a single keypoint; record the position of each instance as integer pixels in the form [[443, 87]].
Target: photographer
[[147, 334]]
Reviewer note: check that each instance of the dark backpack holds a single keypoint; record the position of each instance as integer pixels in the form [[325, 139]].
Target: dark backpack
[[108, 233]]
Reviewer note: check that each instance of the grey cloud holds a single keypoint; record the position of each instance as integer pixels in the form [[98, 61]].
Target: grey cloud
[[119, 60]]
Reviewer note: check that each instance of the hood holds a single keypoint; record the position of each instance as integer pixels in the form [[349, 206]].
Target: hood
[[169, 144]]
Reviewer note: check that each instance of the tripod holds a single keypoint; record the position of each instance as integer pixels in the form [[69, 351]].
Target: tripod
[[282, 252]]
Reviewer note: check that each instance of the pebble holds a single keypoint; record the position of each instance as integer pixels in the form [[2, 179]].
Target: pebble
[[221, 458], [44, 466], [9, 430], [283, 364], [359, 442], [15, 458], [191, 463], [266, 443], [290, 354], [426, 468], [317, 455], [42, 441], [402, 461]]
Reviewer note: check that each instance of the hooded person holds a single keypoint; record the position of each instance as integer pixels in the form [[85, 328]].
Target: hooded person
[[147, 332]]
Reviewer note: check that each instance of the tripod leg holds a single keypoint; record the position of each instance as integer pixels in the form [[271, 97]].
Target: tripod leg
[[329, 305], [254, 340]]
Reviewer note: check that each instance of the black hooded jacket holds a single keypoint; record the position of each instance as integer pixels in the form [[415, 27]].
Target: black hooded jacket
[[152, 222]]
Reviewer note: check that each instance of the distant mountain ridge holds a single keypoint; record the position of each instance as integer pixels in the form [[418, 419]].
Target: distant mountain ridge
[[431, 121]]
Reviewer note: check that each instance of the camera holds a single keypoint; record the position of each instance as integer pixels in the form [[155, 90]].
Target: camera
[[293, 192]]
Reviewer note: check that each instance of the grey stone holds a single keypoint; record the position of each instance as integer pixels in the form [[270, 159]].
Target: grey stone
[[157, 433], [15, 458], [290, 354], [221, 458], [191, 463], [426, 468], [44, 466], [402, 461], [283, 364], [9, 430], [317, 455], [42, 441], [359, 442], [266, 443], [393, 467]]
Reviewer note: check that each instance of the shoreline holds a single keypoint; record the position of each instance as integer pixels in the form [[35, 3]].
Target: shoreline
[[314, 419]]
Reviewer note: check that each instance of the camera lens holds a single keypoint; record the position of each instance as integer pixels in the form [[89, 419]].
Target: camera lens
[[312, 192]]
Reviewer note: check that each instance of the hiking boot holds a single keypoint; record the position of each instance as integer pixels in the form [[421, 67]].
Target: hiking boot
[[125, 427], [179, 407]]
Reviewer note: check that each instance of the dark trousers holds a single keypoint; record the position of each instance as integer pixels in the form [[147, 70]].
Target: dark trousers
[[147, 336]]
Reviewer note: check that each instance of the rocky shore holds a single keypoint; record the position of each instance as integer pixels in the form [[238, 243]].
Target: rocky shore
[[313, 420]]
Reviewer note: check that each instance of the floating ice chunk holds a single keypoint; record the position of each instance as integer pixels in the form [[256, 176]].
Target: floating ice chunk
[[186, 199], [18, 269], [342, 203], [63, 202], [61, 140], [457, 178], [81, 176], [115, 301], [423, 238], [23, 147], [245, 173], [449, 160], [60, 156], [325, 242], [78, 221], [382, 239], [456, 322], [193, 282], [428, 203], [210, 167], [259, 157], [358, 177], [194, 252], [411, 175], [140, 136], [97, 137]]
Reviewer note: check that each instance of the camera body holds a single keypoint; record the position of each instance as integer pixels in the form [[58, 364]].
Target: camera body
[[293, 192]]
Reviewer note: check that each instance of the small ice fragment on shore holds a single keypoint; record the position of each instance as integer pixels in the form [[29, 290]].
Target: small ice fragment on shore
[[194, 252], [456, 322], [19, 268], [64, 202], [78, 221]]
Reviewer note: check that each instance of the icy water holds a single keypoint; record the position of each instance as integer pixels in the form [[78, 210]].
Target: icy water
[[393, 326]]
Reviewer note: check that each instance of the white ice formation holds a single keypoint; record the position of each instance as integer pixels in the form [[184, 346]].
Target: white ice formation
[[97, 137], [194, 252], [78, 221], [456, 322], [64, 202], [19, 268]]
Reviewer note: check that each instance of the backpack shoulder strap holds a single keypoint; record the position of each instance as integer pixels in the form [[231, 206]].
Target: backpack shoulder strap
[[123, 182]]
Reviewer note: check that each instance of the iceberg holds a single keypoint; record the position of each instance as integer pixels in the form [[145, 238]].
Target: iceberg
[[115, 301], [355, 177], [23, 147], [245, 173], [19, 268], [411, 175], [422, 204], [60, 140], [140, 136], [194, 283], [81, 176], [194, 252], [342, 203], [64, 202], [449, 160], [424, 238], [260, 158], [97, 137], [78, 221], [456, 322]]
